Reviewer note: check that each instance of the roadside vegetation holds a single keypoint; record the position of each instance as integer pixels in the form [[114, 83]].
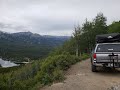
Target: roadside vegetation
[[51, 69], [39, 73]]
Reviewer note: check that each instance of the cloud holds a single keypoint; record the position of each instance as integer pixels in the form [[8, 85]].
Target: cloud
[[54, 17]]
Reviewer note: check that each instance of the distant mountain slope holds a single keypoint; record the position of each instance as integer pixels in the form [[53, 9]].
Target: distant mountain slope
[[26, 44]]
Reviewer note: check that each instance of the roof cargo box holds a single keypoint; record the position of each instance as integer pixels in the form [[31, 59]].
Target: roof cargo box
[[108, 38]]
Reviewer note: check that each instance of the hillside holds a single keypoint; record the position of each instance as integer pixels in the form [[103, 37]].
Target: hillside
[[53, 69], [26, 44]]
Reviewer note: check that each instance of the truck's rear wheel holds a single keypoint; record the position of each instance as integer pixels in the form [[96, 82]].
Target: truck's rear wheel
[[94, 68]]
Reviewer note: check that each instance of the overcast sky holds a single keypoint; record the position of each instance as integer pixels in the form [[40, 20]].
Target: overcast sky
[[53, 17]]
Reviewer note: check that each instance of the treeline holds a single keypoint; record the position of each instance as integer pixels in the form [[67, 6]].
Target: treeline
[[84, 35], [21, 52]]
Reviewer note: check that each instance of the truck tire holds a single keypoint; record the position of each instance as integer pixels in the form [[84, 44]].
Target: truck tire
[[94, 68]]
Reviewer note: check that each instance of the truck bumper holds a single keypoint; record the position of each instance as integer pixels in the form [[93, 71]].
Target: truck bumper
[[107, 63]]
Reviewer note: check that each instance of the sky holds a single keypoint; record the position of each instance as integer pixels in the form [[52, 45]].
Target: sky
[[53, 17]]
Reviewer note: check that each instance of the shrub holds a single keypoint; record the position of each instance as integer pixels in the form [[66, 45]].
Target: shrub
[[40, 72], [53, 66], [58, 75], [85, 56]]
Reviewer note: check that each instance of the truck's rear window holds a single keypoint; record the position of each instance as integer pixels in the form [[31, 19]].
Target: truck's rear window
[[108, 48]]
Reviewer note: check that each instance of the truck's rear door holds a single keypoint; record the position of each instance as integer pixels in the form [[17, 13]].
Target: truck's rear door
[[107, 52]]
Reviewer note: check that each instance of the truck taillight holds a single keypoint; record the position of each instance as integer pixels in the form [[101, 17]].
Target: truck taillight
[[94, 55]]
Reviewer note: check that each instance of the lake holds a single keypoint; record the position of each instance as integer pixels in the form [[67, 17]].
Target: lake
[[4, 63]]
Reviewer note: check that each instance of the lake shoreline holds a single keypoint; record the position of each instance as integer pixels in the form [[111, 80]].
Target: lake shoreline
[[7, 63]]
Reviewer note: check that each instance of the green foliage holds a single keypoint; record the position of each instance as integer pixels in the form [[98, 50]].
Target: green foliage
[[100, 24], [43, 72], [87, 33], [85, 56], [20, 79], [114, 27], [20, 52], [10, 69], [67, 48], [58, 75]]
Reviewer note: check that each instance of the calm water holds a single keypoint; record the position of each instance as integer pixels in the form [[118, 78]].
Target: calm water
[[4, 63]]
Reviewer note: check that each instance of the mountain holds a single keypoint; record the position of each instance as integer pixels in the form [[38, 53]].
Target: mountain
[[17, 46]]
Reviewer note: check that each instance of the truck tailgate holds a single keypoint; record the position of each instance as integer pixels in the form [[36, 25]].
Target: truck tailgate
[[105, 57]]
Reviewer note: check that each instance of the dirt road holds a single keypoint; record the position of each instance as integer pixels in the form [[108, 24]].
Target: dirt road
[[80, 77]]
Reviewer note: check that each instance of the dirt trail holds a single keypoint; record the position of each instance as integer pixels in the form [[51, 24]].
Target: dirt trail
[[80, 77]]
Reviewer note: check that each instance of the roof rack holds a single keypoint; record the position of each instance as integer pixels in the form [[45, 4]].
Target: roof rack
[[108, 38]]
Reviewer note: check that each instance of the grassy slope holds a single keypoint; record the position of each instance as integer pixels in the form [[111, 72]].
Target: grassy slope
[[38, 73]]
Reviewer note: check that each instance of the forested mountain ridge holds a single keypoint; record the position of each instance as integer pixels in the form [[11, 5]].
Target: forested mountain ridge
[[26, 44], [31, 38]]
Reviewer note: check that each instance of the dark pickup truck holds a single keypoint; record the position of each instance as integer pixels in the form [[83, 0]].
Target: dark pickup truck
[[106, 52]]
